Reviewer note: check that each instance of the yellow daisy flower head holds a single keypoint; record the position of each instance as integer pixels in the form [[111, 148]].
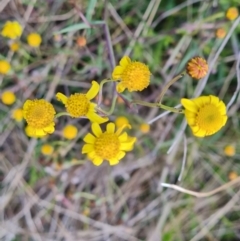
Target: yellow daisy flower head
[[197, 67], [229, 150], [14, 46], [70, 132], [8, 97], [220, 33], [79, 105], [144, 128], [47, 149], [12, 30], [205, 115], [108, 145], [34, 40], [39, 115], [17, 114], [133, 76], [4, 67], [232, 13], [120, 121]]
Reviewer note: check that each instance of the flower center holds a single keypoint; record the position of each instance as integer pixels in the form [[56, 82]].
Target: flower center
[[40, 114], [107, 146], [77, 105], [136, 76], [209, 118]]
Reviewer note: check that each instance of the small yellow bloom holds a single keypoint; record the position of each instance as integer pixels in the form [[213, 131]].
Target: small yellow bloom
[[47, 149], [11, 30], [232, 13], [120, 121], [108, 145], [221, 33], [205, 115], [34, 40], [17, 115], [197, 67], [8, 98], [144, 128], [79, 105], [4, 67], [14, 46], [229, 150], [39, 115], [133, 76], [70, 132], [232, 175]]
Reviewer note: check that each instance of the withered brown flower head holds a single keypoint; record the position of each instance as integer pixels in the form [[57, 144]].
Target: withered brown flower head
[[197, 67]]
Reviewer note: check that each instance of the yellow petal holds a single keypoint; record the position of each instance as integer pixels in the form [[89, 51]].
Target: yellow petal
[[201, 101], [97, 161], [89, 138], [87, 148], [39, 133], [113, 161], [120, 129], [189, 105], [93, 117], [123, 137], [117, 73], [97, 131], [125, 61], [93, 91], [200, 133], [110, 128], [49, 129], [120, 87], [121, 154], [126, 146], [91, 155], [61, 97]]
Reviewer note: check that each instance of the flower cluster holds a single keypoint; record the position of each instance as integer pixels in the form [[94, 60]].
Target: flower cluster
[[205, 115]]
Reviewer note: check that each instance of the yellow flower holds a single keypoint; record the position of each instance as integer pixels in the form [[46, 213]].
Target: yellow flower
[[144, 128], [47, 149], [8, 98], [4, 67], [70, 132], [232, 175], [79, 105], [229, 150], [205, 115], [220, 33], [11, 30], [39, 115], [34, 40], [134, 76], [108, 145], [120, 121], [232, 13], [197, 67], [14, 46], [17, 115]]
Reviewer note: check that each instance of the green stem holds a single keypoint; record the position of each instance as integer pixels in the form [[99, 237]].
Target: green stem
[[107, 113], [61, 114], [166, 87], [100, 89], [159, 105]]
